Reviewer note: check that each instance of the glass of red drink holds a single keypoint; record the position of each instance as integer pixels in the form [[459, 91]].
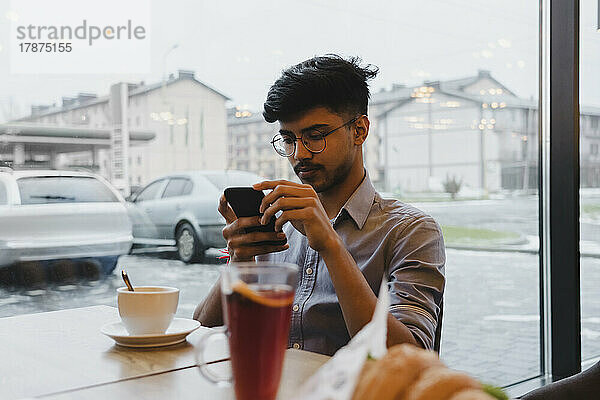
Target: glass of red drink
[[257, 307]]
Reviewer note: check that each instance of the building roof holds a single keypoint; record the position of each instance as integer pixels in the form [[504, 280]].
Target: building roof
[[459, 85], [88, 99], [590, 110], [28, 173], [182, 75], [17, 129], [399, 95], [252, 119]]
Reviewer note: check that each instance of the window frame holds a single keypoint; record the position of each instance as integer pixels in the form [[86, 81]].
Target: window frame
[[560, 116], [559, 177]]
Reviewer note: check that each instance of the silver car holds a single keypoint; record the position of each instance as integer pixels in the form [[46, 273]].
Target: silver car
[[179, 212], [51, 215]]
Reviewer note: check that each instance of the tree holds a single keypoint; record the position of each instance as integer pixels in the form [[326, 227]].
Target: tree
[[452, 185]]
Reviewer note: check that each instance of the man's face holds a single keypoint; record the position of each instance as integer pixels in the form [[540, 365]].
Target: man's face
[[329, 168]]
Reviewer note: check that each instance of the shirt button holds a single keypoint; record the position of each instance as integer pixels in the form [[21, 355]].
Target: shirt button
[[309, 271], [296, 307], [296, 346]]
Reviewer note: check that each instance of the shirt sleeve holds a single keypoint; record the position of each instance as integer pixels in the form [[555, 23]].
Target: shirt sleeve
[[416, 277]]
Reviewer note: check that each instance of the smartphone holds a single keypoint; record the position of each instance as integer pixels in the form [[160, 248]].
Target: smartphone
[[245, 202]]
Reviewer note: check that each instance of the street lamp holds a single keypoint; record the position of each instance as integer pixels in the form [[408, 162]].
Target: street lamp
[[164, 71]]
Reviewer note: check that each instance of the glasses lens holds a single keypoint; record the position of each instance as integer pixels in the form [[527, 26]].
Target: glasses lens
[[284, 145], [314, 141]]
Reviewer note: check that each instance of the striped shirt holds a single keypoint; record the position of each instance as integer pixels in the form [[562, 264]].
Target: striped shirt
[[385, 238]]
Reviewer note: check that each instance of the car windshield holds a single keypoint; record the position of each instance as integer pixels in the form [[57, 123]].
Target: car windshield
[[63, 189], [221, 181]]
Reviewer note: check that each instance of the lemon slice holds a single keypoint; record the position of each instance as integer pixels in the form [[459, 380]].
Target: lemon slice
[[245, 290]]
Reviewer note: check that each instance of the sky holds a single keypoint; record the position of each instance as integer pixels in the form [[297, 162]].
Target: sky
[[240, 47]]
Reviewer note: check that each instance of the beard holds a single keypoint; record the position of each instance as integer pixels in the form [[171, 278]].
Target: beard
[[327, 180]]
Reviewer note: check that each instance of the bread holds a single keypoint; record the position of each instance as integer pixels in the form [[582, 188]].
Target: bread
[[409, 373], [440, 383], [389, 377]]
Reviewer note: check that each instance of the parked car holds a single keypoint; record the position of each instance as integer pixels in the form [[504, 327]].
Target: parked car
[[53, 215], [180, 211]]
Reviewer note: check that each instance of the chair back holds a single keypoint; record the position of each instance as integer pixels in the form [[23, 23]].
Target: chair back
[[437, 341]]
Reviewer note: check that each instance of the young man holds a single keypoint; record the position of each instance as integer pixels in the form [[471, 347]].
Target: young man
[[344, 237]]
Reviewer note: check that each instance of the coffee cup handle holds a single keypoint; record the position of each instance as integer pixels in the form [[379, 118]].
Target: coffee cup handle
[[203, 365]]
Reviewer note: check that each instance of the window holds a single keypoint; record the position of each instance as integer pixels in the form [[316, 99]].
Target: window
[[63, 189], [454, 132], [187, 189], [594, 124], [590, 183], [175, 187], [150, 192], [3, 194]]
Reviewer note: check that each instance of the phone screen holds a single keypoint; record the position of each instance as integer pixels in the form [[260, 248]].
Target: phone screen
[[245, 202]]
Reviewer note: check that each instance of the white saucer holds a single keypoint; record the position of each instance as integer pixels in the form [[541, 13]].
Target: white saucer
[[176, 333]]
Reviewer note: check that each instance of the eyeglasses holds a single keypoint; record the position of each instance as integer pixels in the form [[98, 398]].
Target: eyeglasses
[[312, 139]]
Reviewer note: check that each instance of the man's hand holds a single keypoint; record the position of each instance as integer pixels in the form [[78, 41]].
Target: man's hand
[[243, 246], [301, 206]]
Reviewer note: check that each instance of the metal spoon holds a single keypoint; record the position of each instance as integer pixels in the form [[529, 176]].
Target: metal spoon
[[126, 280]]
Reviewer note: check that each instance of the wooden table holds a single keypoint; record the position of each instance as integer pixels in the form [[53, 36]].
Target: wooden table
[[189, 384], [63, 355]]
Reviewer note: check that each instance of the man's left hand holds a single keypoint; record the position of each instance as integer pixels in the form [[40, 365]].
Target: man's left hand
[[301, 206]]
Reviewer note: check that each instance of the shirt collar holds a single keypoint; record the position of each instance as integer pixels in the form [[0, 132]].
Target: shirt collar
[[358, 206]]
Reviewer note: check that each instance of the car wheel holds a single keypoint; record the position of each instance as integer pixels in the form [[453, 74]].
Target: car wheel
[[189, 248]]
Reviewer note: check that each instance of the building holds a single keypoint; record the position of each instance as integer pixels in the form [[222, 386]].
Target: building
[[187, 117], [249, 146], [473, 130], [589, 141], [450, 130]]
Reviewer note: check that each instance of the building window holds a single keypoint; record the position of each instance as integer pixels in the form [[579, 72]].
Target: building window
[[594, 149], [139, 160]]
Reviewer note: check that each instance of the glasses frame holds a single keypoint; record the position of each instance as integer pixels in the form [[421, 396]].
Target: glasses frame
[[323, 136]]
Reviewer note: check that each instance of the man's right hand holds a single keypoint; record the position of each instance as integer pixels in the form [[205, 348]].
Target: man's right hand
[[244, 246]]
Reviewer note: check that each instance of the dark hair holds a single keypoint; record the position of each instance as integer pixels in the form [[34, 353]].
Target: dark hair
[[327, 81]]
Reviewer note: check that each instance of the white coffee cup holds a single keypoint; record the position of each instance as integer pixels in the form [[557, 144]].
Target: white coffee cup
[[148, 310]]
